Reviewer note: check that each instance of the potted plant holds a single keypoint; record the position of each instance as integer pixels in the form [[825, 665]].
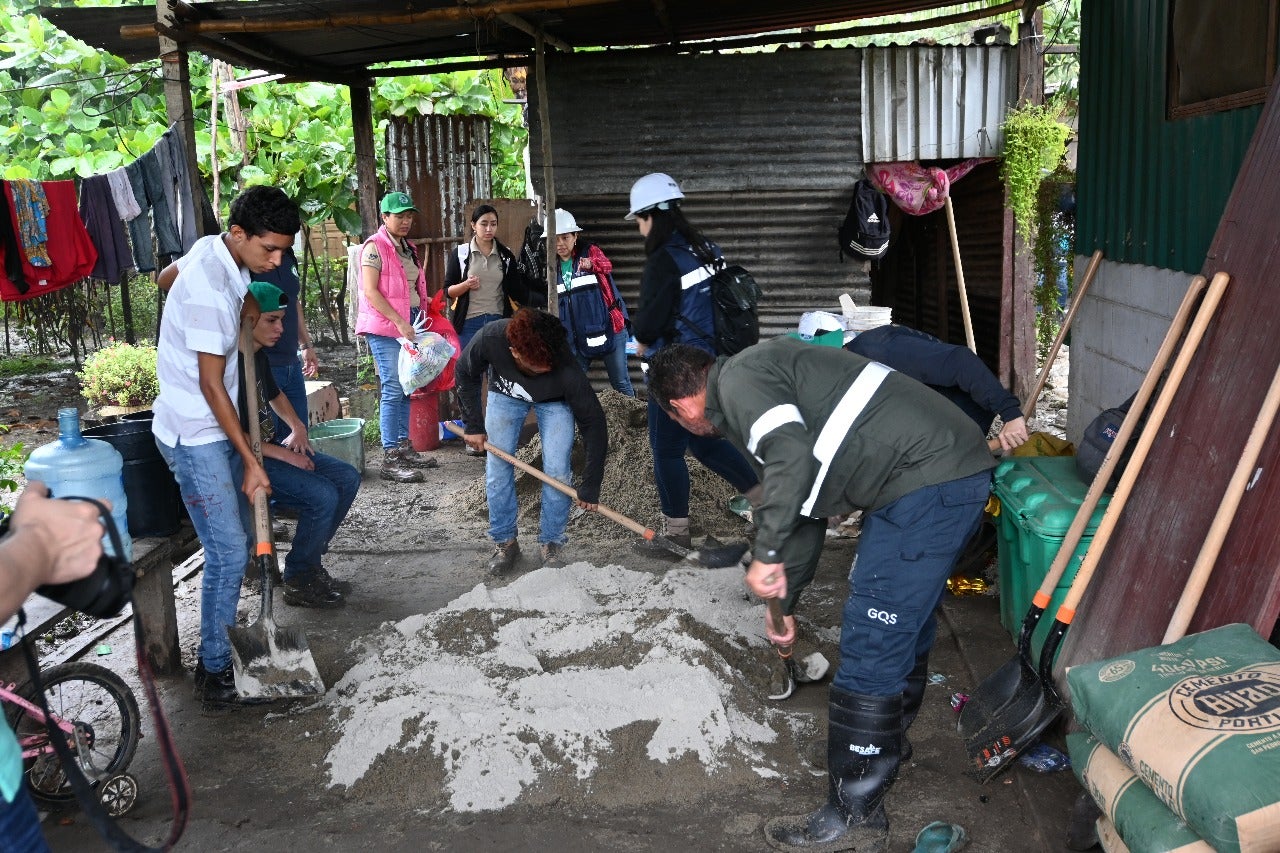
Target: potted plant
[[120, 378]]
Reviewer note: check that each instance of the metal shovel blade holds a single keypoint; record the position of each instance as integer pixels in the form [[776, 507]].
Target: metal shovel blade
[[270, 662], [996, 732]]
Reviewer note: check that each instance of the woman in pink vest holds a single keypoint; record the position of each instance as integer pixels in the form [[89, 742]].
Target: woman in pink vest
[[388, 306]]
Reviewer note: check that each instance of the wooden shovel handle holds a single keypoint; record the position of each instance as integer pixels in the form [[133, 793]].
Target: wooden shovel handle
[[1090, 272], [1154, 420], [964, 294], [612, 515], [1236, 488], [1078, 524], [261, 513]]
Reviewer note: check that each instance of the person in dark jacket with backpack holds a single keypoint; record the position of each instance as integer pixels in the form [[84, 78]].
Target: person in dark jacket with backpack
[[591, 307], [675, 306], [953, 371], [482, 278]]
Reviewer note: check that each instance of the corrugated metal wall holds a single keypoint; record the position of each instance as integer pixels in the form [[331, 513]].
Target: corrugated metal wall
[[443, 162], [764, 145], [785, 120], [933, 102], [1150, 190]]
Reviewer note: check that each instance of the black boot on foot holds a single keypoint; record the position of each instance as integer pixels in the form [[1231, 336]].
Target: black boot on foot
[[912, 699], [863, 743]]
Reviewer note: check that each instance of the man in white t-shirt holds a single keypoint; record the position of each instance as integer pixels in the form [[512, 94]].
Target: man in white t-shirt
[[197, 425]]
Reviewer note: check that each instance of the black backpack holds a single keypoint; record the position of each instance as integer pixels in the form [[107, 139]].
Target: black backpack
[[735, 300], [533, 257], [865, 232], [1096, 442]]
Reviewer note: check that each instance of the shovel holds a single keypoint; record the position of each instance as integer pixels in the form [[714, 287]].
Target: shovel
[[712, 558], [1239, 484], [269, 662], [1008, 711]]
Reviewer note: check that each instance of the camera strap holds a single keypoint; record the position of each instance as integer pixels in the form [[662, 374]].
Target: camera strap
[[179, 786]]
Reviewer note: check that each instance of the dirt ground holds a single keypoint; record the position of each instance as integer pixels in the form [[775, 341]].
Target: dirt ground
[[263, 778]]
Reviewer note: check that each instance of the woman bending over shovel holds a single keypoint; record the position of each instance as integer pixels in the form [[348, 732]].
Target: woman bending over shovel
[[530, 366]]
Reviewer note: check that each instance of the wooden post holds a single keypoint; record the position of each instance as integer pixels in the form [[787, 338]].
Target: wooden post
[[366, 160], [177, 102], [1018, 309], [548, 176], [154, 606]]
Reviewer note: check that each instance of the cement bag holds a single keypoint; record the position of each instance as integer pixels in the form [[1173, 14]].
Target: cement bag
[[1145, 823], [1199, 722], [1108, 839]]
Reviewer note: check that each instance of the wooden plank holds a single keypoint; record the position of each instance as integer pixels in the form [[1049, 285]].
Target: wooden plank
[[1168, 516]]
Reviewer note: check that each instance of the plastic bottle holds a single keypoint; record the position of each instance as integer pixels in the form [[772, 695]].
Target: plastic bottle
[[75, 466]]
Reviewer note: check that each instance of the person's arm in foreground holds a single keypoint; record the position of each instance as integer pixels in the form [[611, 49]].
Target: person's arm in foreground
[[50, 541]]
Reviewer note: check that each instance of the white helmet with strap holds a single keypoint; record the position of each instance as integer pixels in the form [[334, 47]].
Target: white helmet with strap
[[654, 190], [565, 223]]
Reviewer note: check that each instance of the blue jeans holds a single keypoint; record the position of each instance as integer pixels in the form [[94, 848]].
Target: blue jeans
[[669, 441], [503, 420], [294, 387], [393, 406], [320, 497], [471, 325], [905, 554], [210, 477], [20, 825], [614, 362]]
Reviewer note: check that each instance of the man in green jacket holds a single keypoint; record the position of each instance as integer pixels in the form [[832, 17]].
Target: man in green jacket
[[832, 432]]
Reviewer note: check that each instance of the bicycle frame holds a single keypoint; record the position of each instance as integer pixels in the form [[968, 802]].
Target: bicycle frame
[[35, 744]]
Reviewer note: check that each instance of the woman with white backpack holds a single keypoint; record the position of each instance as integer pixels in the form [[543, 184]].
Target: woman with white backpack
[[482, 278]]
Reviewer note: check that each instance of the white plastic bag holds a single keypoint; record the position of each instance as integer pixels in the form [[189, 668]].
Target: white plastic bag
[[423, 360]]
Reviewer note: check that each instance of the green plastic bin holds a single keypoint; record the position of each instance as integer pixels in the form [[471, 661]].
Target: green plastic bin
[[342, 438], [1039, 497]]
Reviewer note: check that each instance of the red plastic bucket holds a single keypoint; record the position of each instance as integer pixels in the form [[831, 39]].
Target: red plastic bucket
[[424, 420]]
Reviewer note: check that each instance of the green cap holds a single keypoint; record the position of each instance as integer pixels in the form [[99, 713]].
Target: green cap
[[397, 203], [270, 297]]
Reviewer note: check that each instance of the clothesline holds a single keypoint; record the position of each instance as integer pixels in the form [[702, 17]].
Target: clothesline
[[48, 241]]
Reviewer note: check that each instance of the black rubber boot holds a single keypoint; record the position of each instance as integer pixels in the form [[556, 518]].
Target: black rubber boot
[[912, 699], [863, 741]]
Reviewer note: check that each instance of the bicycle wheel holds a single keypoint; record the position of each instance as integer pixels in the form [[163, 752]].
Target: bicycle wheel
[[102, 708]]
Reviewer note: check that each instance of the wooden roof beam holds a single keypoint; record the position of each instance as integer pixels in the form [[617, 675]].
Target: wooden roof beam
[[518, 23], [448, 13]]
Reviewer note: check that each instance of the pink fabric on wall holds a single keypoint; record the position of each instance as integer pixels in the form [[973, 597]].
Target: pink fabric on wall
[[918, 189]]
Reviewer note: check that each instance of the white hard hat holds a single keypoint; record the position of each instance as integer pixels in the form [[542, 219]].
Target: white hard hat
[[565, 223], [653, 190]]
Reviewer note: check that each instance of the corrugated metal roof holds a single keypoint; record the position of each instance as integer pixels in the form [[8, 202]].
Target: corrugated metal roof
[[337, 40], [741, 122], [930, 102], [1149, 190]]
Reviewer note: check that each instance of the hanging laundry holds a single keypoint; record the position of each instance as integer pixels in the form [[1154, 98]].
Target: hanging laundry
[[148, 189], [918, 189], [122, 194], [31, 208], [71, 251], [11, 248], [185, 207], [105, 228]]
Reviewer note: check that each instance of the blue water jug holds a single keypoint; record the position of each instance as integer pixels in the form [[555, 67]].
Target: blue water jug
[[75, 466]]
